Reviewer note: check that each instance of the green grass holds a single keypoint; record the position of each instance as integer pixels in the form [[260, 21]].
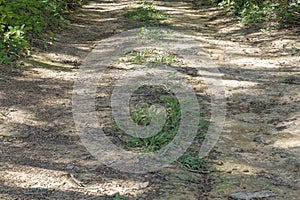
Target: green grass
[[191, 161], [146, 12], [141, 114]]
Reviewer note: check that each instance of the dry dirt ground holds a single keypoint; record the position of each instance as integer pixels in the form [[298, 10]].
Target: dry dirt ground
[[42, 156]]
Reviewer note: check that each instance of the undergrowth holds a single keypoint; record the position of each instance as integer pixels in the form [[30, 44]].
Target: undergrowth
[[21, 21], [256, 11]]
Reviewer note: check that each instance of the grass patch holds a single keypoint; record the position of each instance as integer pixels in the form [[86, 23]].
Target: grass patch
[[142, 114], [146, 12], [150, 56], [141, 111], [191, 161]]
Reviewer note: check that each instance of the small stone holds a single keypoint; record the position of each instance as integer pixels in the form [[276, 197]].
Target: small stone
[[283, 155], [38, 187], [70, 167], [252, 195]]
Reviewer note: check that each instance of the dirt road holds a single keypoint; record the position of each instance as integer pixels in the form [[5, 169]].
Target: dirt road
[[42, 156]]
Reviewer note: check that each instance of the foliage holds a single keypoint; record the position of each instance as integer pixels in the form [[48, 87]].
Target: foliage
[[12, 44], [253, 11], [23, 20]]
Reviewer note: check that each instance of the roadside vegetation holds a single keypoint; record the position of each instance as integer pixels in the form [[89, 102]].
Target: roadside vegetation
[[283, 13], [26, 22]]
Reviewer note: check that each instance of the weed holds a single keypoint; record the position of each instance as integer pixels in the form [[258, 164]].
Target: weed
[[164, 59], [142, 115], [139, 57], [290, 48], [150, 56], [148, 35], [191, 162]]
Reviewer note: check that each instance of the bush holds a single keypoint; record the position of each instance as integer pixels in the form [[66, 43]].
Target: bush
[[13, 44], [23, 20], [253, 11]]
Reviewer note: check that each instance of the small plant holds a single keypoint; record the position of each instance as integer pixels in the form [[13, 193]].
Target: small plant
[[290, 48], [142, 116], [148, 35], [150, 56], [164, 59], [139, 57], [13, 45], [294, 50], [192, 162], [291, 80]]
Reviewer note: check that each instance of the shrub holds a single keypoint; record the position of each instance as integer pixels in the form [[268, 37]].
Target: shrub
[[13, 44], [253, 11], [23, 20]]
